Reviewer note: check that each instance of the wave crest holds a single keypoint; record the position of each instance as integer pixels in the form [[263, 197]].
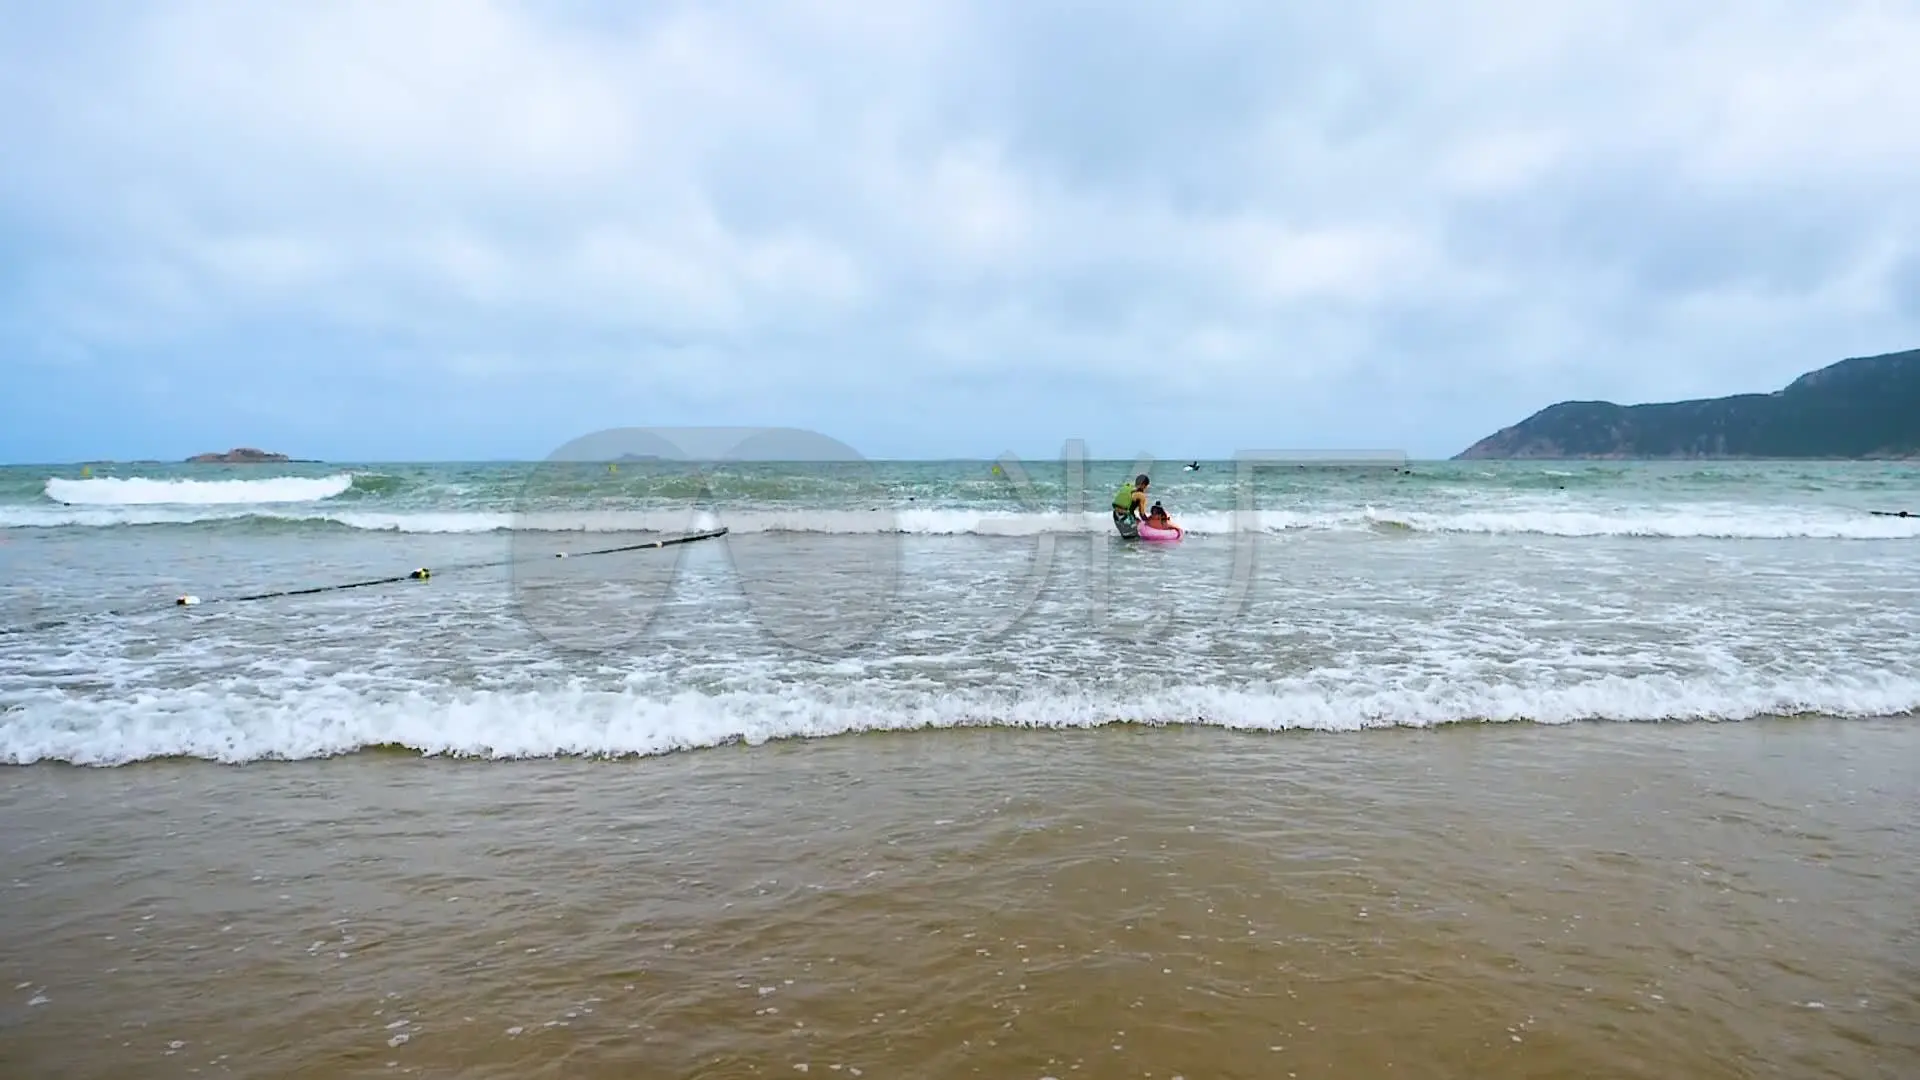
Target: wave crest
[[331, 718], [140, 491]]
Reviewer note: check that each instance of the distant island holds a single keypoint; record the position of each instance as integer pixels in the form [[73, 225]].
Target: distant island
[[1863, 408], [241, 455]]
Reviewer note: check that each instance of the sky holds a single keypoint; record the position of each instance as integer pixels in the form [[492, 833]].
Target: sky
[[473, 229]]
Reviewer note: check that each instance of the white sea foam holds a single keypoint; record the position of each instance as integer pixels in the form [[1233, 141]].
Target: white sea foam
[[1705, 521], [136, 491], [331, 718], [1679, 521]]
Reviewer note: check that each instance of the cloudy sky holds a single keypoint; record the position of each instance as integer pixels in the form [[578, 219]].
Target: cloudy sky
[[477, 229]]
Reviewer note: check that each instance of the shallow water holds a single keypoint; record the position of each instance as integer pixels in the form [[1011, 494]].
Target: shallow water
[[778, 635], [1660, 901]]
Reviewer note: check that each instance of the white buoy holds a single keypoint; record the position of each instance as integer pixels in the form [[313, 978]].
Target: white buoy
[[187, 601]]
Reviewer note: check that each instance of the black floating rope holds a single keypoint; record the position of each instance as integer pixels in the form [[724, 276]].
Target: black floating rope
[[420, 574], [1892, 513]]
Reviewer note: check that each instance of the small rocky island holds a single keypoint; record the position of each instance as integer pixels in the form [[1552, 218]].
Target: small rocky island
[[1864, 408], [240, 455]]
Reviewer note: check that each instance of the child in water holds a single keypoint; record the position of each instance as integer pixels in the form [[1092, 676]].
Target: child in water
[[1157, 518]]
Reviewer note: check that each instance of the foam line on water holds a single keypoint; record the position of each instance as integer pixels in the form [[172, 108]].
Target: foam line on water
[[224, 723], [138, 491], [1673, 522]]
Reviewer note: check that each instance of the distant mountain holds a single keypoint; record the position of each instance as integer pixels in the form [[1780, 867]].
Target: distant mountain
[[1865, 407], [240, 455]]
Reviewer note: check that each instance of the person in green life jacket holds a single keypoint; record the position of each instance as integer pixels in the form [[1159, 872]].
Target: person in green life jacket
[[1130, 503]]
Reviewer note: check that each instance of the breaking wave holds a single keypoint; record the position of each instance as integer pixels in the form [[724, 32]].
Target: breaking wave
[[330, 718], [138, 491]]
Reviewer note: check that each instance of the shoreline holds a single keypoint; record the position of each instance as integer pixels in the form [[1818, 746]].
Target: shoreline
[[891, 738]]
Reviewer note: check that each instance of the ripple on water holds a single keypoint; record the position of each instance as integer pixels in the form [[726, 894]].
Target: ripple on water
[[1502, 902]]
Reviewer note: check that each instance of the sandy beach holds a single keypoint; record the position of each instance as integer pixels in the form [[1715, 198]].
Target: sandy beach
[[1680, 902]]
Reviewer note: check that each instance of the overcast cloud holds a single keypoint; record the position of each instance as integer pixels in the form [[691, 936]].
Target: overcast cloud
[[471, 229]]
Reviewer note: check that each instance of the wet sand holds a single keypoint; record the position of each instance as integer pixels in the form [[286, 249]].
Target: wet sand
[[1500, 901]]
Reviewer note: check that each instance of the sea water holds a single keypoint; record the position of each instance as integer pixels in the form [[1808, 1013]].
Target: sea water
[[1442, 770], [851, 596]]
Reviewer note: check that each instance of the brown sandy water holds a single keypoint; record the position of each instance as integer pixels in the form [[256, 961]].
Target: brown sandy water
[[1662, 901]]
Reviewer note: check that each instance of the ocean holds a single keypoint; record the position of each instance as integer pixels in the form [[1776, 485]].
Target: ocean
[[1430, 769]]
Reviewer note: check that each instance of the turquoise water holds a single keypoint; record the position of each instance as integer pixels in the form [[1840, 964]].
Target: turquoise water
[[851, 596]]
